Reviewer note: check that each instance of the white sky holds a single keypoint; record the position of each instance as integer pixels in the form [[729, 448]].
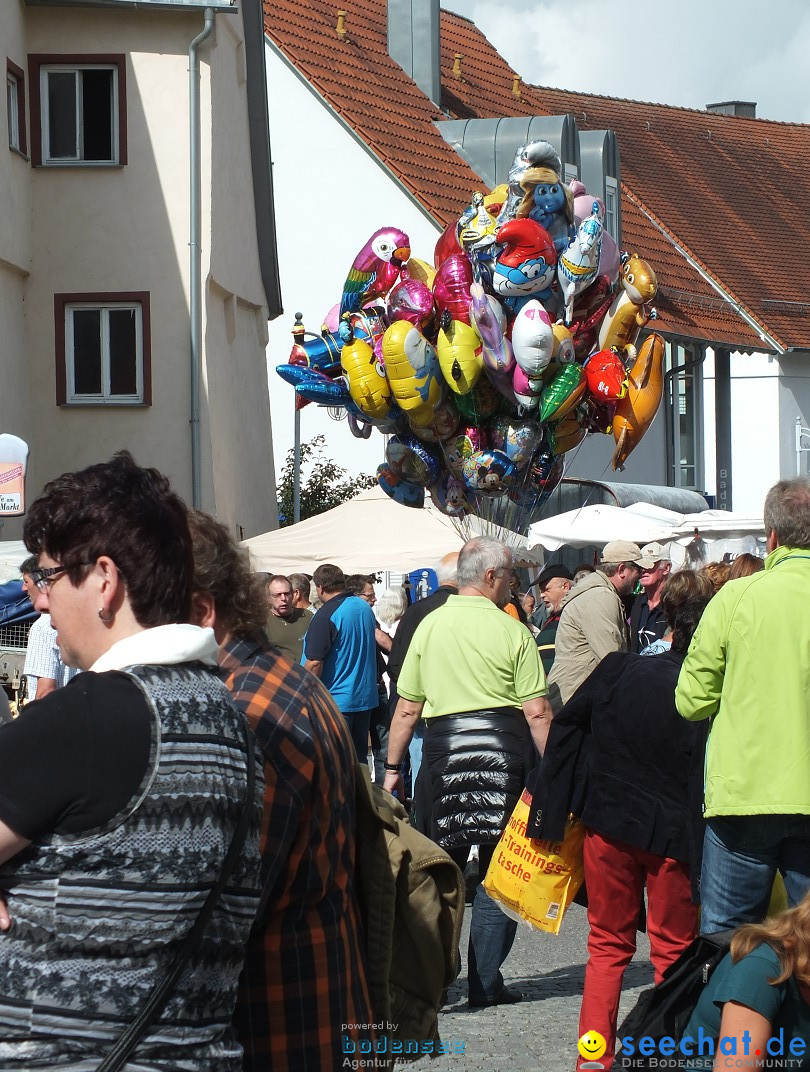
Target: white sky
[[690, 54]]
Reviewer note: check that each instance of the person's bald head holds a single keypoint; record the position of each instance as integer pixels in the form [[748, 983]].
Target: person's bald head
[[445, 569]]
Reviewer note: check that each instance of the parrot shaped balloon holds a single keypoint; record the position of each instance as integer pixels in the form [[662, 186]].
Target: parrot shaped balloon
[[375, 269]]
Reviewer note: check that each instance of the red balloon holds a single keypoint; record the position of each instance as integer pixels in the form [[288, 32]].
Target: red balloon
[[606, 376], [447, 244]]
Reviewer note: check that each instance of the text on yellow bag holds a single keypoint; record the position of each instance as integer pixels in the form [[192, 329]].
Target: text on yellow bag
[[536, 880]]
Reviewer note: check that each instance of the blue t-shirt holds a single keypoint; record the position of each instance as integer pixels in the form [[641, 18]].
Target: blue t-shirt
[[747, 982], [341, 636]]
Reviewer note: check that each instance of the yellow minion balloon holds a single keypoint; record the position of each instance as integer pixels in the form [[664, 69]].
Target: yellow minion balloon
[[413, 371], [368, 384], [460, 355]]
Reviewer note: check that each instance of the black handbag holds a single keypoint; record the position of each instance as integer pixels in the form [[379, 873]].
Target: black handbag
[[664, 1010], [153, 1006]]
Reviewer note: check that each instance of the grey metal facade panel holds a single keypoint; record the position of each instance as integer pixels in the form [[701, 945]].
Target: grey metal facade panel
[[572, 493], [260, 161], [413, 42], [489, 145]]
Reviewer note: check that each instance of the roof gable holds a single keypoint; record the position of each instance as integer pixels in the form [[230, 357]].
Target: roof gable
[[730, 191]]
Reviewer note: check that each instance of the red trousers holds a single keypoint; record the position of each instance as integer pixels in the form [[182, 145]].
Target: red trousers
[[616, 875]]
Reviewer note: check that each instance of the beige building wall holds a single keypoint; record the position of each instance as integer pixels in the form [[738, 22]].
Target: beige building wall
[[126, 229]]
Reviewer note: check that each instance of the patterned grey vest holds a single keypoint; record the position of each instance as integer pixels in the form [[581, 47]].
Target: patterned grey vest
[[96, 918]]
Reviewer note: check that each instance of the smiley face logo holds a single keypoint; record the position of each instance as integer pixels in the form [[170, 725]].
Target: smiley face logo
[[591, 1045]]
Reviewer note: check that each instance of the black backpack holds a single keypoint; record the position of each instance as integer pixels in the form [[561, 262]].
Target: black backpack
[[665, 1009]]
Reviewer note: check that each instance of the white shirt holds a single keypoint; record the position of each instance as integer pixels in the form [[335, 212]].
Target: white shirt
[[42, 657]]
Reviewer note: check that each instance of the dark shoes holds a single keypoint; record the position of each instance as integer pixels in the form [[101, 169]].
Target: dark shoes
[[506, 997]]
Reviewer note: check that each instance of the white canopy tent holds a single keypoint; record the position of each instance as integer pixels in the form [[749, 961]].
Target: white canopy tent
[[642, 522], [372, 533]]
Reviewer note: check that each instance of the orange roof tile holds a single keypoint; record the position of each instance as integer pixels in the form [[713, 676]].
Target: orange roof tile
[[732, 192]]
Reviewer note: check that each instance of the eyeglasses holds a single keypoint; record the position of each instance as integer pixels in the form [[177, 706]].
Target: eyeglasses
[[44, 577]]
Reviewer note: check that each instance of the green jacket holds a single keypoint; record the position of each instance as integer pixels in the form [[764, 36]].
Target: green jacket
[[748, 669]]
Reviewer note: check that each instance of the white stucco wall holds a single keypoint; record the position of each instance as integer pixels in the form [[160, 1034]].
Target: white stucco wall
[[755, 431], [330, 195]]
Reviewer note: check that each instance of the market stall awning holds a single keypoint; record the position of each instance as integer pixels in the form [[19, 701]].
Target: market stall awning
[[642, 522], [371, 533]]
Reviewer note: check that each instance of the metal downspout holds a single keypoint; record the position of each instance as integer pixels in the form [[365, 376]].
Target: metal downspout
[[195, 251]]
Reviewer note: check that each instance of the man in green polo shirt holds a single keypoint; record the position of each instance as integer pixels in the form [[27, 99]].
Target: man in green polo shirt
[[286, 623], [474, 674]]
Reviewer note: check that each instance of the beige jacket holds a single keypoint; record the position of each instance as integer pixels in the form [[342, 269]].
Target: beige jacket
[[592, 625]]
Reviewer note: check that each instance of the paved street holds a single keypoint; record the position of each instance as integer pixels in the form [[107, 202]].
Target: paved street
[[540, 1033]]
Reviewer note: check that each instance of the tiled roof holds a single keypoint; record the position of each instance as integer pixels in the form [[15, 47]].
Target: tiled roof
[[732, 192]]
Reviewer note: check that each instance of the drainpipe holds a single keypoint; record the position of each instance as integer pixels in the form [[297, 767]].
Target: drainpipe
[[195, 252]]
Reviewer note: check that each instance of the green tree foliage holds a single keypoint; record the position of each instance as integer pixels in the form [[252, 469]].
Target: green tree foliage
[[324, 484]]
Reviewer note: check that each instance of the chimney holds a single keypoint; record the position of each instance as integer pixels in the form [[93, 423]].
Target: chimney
[[413, 42], [748, 109]]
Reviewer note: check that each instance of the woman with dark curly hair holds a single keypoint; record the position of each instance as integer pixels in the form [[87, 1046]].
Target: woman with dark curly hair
[[120, 795]]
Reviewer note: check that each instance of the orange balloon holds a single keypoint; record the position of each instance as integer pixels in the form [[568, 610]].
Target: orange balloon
[[635, 412]]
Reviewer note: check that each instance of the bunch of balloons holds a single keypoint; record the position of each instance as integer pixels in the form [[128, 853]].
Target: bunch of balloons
[[486, 369]]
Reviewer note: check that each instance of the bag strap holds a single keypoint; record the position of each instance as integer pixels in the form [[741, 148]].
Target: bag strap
[[153, 1006]]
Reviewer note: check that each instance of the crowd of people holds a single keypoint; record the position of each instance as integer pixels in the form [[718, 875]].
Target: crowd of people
[[177, 798]]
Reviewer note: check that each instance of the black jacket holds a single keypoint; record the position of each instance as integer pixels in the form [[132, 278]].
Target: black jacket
[[621, 758], [645, 625], [475, 766], [412, 617]]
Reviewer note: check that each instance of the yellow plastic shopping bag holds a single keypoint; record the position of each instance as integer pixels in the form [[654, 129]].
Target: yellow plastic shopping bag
[[536, 880]]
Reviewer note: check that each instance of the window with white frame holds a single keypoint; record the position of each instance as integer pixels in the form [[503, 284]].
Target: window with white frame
[[684, 401], [103, 350], [78, 110], [611, 207], [15, 108]]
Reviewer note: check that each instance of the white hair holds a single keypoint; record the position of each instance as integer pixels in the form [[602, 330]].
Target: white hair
[[391, 605], [446, 570], [479, 555]]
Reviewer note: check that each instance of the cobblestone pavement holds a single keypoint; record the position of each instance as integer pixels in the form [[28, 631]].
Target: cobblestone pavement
[[540, 1033]]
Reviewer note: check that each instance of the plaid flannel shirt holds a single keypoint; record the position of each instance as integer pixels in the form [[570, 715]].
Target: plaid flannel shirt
[[304, 983]]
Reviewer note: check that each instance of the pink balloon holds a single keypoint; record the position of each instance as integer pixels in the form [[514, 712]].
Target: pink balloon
[[411, 300], [332, 318], [451, 288]]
